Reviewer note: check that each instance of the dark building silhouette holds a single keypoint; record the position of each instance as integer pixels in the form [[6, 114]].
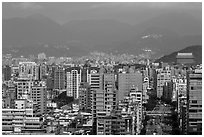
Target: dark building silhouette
[[59, 78], [6, 73], [167, 91]]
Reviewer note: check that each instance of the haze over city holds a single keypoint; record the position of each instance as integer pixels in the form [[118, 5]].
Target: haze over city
[[101, 68], [75, 29]]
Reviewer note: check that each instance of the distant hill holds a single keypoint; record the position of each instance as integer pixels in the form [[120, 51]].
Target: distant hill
[[196, 50], [178, 22], [32, 31], [99, 33], [37, 33], [161, 41]]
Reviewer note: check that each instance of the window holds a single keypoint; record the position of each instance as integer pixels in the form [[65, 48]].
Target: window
[[194, 101], [192, 88], [192, 111]]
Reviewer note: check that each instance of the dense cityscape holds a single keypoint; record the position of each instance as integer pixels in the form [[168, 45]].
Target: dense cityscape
[[101, 94], [101, 68]]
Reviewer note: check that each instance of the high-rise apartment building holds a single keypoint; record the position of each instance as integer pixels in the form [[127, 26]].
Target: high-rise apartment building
[[85, 100], [194, 102], [126, 81], [8, 96], [95, 84], [106, 99], [39, 96], [42, 71], [6, 73], [163, 75], [135, 99], [59, 78], [167, 91], [85, 74], [73, 81], [24, 88], [28, 70]]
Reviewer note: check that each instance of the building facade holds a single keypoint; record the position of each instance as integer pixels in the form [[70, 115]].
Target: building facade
[[194, 102]]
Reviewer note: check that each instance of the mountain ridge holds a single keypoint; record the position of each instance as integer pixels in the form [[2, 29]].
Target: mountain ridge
[[106, 35], [196, 50]]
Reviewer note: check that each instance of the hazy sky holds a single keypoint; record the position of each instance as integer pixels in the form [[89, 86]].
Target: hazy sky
[[131, 13]]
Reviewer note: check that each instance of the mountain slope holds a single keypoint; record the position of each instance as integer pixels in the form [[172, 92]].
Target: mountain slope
[[196, 50], [159, 40], [32, 30], [78, 37], [179, 22], [96, 33]]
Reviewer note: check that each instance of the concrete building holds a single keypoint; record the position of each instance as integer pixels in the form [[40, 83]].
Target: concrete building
[[135, 101], [112, 125], [145, 88], [59, 78], [95, 84], [18, 121], [73, 81], [163, 75], [104, 96], [184, 58], [85, 74], [42, 71], [39, 96], [194, 102], [24, 88], [8, 96], [6, 73], [167, 91], [126, 81], [28, 70], [85, 100], [182, 115]]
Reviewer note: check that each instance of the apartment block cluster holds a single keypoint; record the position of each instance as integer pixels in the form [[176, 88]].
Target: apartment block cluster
[[111, 98], [182, 84]]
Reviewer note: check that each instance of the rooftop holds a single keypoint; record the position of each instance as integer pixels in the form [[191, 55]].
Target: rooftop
[[185, 55]]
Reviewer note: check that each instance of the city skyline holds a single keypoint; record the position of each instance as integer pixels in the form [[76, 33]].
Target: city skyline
[[101, 68]]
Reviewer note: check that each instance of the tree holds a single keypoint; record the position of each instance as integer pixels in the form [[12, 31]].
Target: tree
[[63, 99]]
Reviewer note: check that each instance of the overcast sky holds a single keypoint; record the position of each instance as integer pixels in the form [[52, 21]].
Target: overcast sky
[[131, 13]]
